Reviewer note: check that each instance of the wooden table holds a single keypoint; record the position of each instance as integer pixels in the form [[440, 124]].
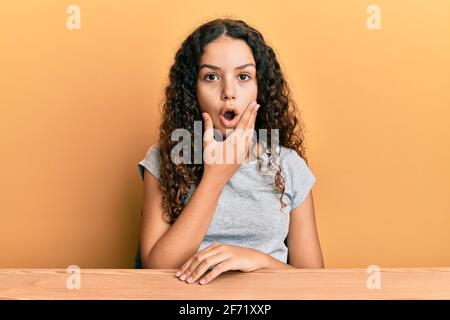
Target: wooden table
[[273, 284]]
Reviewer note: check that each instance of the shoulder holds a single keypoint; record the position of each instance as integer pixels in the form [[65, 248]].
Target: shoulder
[[300, 177], [151, 161], [291, 159], [153, 152]]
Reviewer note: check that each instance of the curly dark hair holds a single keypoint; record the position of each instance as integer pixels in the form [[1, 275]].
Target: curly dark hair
[[181, 108]]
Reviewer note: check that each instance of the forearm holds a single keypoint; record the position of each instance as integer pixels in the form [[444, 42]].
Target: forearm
[[185, 235], [273, 263]]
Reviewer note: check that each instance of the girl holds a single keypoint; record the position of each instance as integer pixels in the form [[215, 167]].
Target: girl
[[207, 216]]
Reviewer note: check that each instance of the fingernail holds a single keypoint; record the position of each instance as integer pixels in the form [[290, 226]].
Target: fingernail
[[202, 281], [183, 277], [189, 279], [257, 107], [178, 273]]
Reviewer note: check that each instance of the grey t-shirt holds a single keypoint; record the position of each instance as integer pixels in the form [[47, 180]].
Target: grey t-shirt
[[248, 211]]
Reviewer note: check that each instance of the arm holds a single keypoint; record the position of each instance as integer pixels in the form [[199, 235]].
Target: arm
[[169, 246], [303, 240], [272, 263]]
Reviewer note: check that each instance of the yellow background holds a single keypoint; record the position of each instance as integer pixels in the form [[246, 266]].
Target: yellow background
[[79, 108]]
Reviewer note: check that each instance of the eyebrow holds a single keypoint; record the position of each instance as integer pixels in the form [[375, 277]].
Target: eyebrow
[[217, 68]]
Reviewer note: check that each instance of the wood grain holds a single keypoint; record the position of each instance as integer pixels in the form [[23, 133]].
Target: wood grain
[[277, 284]]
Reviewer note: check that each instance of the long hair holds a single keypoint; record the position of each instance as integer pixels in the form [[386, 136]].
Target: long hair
[[181, 108]]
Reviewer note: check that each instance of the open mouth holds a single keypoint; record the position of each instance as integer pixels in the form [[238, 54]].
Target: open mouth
[[229, 115], [229, 118]]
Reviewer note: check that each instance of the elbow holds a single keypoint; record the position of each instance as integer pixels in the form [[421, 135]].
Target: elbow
[[150, 264], [318, 264], [154, 261]]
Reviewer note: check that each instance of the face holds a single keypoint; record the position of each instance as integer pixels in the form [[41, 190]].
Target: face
[[226, 81]]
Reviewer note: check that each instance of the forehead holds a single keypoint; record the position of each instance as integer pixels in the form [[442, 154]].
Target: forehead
[[227, 52]]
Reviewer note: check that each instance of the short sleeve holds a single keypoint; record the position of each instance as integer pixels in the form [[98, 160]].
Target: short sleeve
[[302, 179], [151, 162]]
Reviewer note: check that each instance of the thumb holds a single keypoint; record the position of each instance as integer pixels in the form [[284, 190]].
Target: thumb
[[208, 135]]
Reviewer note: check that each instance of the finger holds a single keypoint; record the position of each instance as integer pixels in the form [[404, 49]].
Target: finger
[[249, 114], [220, 268], [253, 118], [207, 262], [186, 265], [246, 116], [243, 124], [197, 260], [208, 135], [250, 129]]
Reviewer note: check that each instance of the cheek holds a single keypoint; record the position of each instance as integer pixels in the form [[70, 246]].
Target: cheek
[[207, 98], [250, 90], [255, 90]]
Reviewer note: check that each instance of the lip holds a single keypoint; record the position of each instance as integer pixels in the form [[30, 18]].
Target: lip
[[229, 123]]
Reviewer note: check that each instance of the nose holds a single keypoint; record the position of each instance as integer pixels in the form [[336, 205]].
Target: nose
[[228, 92]]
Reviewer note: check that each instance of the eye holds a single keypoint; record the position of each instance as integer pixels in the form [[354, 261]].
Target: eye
[[244, 74], [208, 76]]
